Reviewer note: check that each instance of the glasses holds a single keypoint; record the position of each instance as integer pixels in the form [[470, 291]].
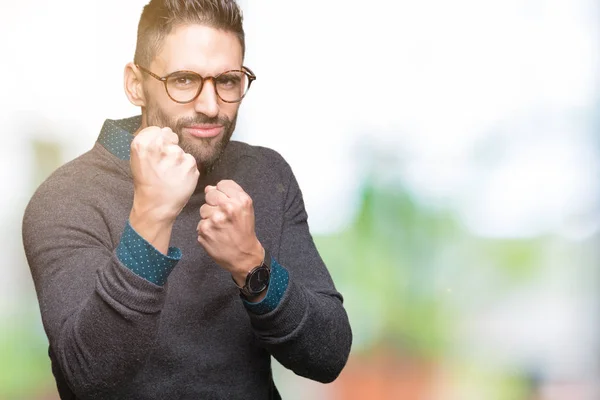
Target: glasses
[[185, 86]]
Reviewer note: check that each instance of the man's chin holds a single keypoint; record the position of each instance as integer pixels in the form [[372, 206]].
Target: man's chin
[[205, 154], [206, 150]]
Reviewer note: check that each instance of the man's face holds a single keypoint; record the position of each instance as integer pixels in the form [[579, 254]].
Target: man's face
[[205, 125]]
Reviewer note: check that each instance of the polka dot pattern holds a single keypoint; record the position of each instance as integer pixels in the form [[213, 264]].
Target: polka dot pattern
[[143, 259], [116, 136], [278, 284]]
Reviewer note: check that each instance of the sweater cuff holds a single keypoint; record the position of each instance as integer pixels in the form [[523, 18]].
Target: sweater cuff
[[278, 283], [137, 254]]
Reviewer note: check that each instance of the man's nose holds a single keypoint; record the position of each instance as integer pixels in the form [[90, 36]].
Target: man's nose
[[207, 102]]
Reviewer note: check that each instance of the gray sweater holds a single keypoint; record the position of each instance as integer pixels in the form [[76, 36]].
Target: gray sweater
[[115, 335]]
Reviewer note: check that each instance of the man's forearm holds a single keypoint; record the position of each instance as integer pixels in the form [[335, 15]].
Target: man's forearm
[[309, 333], [102, 344]]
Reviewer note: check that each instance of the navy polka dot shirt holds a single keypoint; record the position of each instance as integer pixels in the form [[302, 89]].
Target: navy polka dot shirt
[[145, 260]]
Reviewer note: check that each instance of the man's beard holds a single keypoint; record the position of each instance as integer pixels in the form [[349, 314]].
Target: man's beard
[[206, 151]]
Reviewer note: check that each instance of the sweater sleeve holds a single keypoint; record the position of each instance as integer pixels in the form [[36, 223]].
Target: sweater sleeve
[[100, 317], [309, 331]]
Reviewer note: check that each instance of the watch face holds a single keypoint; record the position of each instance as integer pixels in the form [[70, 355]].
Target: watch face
[[259, 280]]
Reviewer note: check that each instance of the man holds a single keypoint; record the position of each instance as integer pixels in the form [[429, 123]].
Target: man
[[169, 262]]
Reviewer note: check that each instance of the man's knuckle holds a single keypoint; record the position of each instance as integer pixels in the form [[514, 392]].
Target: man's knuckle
[[225, 183], [246, 200], [219, 218], [203, 228], [228, 208]]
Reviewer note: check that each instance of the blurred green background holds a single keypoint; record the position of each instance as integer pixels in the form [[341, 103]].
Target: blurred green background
[[451, 179]]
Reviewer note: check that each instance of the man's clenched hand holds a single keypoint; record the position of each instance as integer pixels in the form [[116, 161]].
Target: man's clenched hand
[[226, 229], [164, 178]]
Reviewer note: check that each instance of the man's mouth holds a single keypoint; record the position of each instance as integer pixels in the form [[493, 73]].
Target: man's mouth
[[204, 131]]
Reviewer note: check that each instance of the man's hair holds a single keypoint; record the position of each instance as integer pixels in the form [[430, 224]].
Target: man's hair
[[160, 17]]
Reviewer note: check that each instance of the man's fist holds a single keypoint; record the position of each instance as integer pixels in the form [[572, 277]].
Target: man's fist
[[164, 176], [226, 229]]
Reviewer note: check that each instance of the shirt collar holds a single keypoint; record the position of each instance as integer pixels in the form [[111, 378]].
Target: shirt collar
[[116, 135]]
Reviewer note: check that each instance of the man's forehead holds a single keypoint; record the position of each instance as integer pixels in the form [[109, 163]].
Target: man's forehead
[[199, 48]]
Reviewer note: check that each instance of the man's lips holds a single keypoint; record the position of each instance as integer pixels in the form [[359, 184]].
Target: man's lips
[[204, 131]]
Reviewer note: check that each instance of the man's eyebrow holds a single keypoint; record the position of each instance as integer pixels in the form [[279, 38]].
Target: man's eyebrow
[[222, 70]]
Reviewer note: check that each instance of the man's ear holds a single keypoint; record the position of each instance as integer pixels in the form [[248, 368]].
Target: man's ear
[[133, 85]]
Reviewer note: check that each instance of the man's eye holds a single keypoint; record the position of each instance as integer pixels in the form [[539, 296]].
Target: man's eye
[[229, 81], [183, 80]]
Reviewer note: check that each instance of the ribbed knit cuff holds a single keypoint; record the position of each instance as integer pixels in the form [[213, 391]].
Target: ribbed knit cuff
[[121, 287], [286, 318]]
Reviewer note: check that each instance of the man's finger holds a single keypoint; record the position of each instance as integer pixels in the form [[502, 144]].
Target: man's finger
[[174, 151], [215, 197], [230, 188], [189, 161], [208, 188], [169, 136], [206, 211], [203, 230]]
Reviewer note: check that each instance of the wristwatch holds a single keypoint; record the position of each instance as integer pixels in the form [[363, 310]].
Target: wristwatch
[[257, 280]]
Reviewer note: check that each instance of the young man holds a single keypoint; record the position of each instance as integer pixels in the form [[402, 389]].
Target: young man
[[169, 262]]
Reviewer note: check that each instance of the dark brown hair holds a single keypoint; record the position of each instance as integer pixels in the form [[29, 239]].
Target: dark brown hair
[[159, 17]]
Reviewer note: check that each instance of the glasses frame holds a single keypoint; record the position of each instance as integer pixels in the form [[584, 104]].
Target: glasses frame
[[251, 78]]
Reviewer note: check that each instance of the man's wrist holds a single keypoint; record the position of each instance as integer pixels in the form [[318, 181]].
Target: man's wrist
[[156, 213], [278, 284], [254, 259], [155, 230], [244, 278], [258, 298]]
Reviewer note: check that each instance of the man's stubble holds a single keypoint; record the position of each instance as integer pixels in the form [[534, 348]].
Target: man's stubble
[[206, 151]]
